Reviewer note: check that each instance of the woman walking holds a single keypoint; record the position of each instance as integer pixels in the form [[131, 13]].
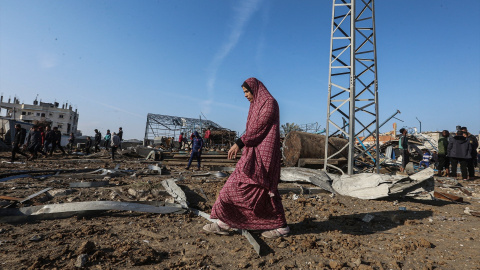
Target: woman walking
[[250, 198]]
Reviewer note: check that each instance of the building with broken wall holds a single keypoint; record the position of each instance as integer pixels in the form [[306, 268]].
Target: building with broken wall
[[65, 118]]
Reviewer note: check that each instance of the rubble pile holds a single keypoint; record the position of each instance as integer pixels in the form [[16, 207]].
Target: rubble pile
[[89, 212]]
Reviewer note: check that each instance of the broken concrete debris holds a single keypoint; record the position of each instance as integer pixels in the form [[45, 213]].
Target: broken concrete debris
[[70, 209], [317, 177], [319, 223], [365, 185]]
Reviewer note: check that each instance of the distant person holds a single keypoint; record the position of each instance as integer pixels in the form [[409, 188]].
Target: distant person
[[443, 159], [403, 146], [196, 152], [57, 141], [71, 141], [20, 134], [425, 163], [180, 140], [115, 144], [459, 152], [49, 137], [478, 157], [435, 159], [88, 145], [107, 139], [472, 140], [120, 135], [34, 142], [208, 135], [42, 135], [97, 140]]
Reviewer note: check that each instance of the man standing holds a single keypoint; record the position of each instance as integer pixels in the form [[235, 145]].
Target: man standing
[[71, 141], [49, 137], [197, 144], [57, 141], [180, 140], [207, 137], [98, 139], [403, 146], [34, 142], [115, 144], [459, 152], [443, 160], [120, 135], [88, 145], [473, 148], [107, 139], [18, 140]]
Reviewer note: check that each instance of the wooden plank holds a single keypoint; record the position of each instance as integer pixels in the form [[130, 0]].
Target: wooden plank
[[8, 198], [446, 196]]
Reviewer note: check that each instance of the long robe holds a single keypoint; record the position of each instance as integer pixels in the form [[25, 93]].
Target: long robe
[[250, 198]]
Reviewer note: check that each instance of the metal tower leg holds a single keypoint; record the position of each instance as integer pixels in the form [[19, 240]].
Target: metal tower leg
[[352, 92]]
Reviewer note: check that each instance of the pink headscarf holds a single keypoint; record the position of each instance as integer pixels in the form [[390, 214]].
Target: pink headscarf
[[261, 156]]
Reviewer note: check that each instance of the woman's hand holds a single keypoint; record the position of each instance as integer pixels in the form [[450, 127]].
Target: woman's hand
[[232, 153]]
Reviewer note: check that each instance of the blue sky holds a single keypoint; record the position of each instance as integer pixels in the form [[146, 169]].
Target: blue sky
[[116, 61]]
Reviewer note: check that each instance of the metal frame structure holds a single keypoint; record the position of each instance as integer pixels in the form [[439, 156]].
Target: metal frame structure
[[352, 87], [164, 125]]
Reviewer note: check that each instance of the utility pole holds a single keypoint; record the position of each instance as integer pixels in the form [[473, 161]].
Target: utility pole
[[353, 85], [420, 124]]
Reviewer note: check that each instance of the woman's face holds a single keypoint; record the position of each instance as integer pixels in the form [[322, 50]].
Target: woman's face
[[248, 94]]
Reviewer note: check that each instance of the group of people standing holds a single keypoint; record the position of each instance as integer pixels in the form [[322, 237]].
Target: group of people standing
[[36, 141], [453, 149], [45, 142], [183, 142], [459, 148], [112, 141]]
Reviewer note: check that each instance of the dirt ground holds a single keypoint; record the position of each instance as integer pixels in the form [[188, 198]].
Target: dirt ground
[[327, 232]]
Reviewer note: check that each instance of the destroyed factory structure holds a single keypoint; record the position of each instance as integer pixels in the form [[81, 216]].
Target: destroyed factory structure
[[159, 127]]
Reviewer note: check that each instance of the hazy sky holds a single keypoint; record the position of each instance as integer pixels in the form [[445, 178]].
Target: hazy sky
[[116, 61]]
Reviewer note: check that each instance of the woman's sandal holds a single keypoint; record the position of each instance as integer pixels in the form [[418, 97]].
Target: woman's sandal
[[214, 228], [276, 233]]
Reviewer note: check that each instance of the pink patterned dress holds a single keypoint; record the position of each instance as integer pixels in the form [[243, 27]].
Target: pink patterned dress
[[250, 198]]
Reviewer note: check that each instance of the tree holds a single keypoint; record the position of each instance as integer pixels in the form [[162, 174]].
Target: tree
[[288, 127]]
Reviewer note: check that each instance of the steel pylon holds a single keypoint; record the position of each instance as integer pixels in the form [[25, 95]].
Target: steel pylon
[[352, 84]]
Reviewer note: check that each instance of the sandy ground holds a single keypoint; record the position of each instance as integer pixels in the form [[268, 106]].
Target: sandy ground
[[327, 232]]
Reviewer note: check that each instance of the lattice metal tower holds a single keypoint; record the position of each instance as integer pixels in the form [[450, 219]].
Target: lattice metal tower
[[352, 87]]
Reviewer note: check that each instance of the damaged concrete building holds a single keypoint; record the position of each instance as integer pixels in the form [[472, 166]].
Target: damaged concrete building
[[65, 118]]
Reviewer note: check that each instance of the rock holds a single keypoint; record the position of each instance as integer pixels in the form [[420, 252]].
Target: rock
[[364, 267], [137, 192], [81, 260], [334, 264], [71, 199], [422, 242], [36, 238], [59, 192], [86, 248]]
